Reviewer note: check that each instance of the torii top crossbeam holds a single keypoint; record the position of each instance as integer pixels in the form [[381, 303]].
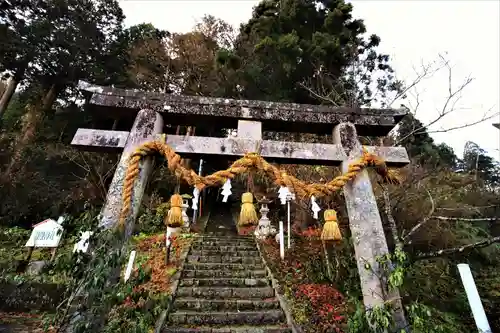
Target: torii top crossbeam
[[280, 117]]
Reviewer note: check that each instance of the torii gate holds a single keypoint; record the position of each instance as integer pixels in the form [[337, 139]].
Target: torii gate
[[251, 118]]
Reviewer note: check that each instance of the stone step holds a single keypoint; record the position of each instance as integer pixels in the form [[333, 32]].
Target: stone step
[[227, 318], [222, 235], [223, 274], [222, 248], [225, 292], [221, 282], [230, 259], [229, 329], [228, 305], [225, 239], [251, 252], [224, 266], [224, 243]]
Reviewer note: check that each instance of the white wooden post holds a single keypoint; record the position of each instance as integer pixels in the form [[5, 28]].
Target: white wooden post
[[288, 224], [195, 211], [282, 242], [130, 264], [474, 300]]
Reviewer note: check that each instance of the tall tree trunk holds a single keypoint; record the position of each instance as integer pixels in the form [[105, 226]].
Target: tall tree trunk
[[10, 90], [31, 121], [50, 97]]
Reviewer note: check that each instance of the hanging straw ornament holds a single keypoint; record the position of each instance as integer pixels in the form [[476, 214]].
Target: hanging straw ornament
[[248, 215], [331, 229], [174, 216], [314, 207]]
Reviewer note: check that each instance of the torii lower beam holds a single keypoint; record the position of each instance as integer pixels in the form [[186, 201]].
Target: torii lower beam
[[278, 151]]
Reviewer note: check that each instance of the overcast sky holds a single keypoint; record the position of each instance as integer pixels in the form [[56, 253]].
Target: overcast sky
[[412, 32]]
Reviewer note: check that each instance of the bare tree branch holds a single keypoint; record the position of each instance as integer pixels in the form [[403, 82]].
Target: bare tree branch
[[483, 119], [458, 249], [446, 218], [454, 95], [465, 207], [325, 98], [424, 221], [426, 71]]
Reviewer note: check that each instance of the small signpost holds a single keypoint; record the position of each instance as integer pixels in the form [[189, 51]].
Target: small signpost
[[47, 233]]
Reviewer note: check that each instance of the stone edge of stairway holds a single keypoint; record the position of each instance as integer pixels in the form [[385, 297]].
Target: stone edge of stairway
[[175, 281]]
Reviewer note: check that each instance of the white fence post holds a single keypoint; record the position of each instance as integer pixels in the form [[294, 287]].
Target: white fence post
[[282, 241], [130, 264], [289, 227], [474, 299]]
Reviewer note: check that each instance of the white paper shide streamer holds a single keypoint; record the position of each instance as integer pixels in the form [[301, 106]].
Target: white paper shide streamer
[[314, 207], [283, 193], [226, 190], [196, 195]]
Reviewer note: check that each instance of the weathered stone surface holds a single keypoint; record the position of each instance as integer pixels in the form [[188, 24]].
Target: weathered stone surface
[[224, 266], [223, 259], [233, 282], [252, 252], [146, 126], [226, 292], [365, 223], [278, 151], [228, 305], [249, 129], [36, 267], [224, 274], [228, 318], [100, 140], [224, 248], [227, 242], [242, 240], [193, 110]]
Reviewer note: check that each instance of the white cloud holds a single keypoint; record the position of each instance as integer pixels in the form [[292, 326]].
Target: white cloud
[[411, 31]]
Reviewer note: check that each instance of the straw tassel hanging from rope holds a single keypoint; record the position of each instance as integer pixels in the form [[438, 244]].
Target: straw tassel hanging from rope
[[331, 229], [248, 215], [174, 216]]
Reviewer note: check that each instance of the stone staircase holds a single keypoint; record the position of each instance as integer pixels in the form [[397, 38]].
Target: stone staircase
[[224, 289]]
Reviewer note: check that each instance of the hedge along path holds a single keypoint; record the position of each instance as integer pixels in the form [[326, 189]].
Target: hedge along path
[[247, 163]]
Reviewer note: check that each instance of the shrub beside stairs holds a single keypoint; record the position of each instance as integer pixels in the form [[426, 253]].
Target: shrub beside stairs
[[224, 289]]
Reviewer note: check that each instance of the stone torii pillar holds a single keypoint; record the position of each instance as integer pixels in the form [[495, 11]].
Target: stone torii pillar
[[366, 226], [147, 125]]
